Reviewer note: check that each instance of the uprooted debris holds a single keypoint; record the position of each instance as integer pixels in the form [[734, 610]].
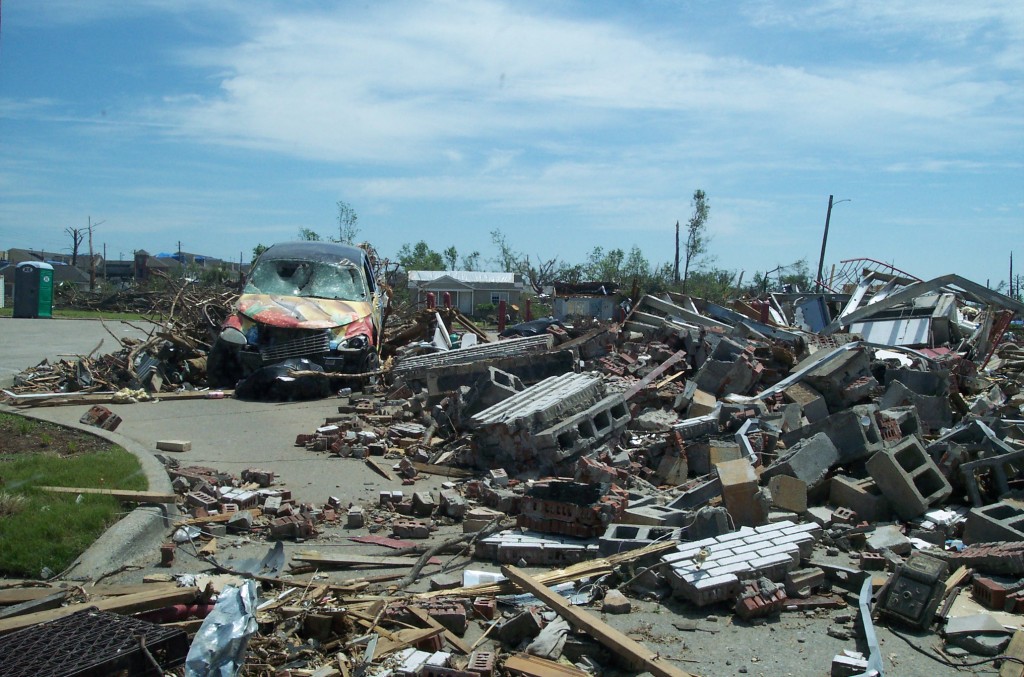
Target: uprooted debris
[[856, 455]]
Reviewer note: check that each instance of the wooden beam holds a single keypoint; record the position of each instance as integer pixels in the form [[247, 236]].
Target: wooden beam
[[443, 470], [402, 639], [533, 666], [450, 636], [125, 604], [1015, 649], [636, 655], [21, 595], [119, 494], [353, 560], [377, 468]]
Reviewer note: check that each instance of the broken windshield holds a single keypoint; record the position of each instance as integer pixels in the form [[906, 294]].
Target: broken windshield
[[341, 280]]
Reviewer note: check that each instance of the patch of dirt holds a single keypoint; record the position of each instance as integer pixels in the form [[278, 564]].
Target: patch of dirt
[[26, 436]]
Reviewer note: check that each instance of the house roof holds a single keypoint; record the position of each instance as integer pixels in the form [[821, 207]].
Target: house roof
[[467, 276]]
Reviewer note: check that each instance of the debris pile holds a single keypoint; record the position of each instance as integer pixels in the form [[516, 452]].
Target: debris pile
[[854, 458]]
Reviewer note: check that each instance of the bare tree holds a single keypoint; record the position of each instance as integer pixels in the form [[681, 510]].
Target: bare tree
[[77, 237], [451, 257], [348, 230], [696, 232]]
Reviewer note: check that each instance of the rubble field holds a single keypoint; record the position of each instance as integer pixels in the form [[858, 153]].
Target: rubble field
[[802, 484]]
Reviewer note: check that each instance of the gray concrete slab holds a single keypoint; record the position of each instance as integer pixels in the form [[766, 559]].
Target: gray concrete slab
[[25, 342]]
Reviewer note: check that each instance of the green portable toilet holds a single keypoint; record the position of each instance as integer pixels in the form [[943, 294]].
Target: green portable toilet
[[33, 289]]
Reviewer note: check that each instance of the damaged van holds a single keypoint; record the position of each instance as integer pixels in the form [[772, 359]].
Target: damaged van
[[321, 301]]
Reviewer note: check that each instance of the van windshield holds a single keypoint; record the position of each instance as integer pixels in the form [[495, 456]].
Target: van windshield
[[287, 277]]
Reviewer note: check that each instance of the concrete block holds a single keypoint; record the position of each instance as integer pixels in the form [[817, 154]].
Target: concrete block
[[854, 432], [861, 496], [1002, 521], [788, 493], [355, 517], [673, 468], [625, 537], [844, 380], [810, 401], [701, 404], [808, 460], [803, 582], [909, 478], [889, 538], [656, 515], [616, 603], [174, 445], [934, 411], [740, 493]]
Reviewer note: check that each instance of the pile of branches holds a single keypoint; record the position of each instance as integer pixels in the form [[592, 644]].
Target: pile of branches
[[185, 318]]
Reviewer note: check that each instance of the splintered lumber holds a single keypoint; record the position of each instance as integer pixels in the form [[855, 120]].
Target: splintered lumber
[[119, 494], [443, 470], [376, 467], [590, 569], [533, 666], [51, 601], [403, 638], [352, 560], [21, 595], [125, 604], [635, 654], [450, 636], [1016, 650]]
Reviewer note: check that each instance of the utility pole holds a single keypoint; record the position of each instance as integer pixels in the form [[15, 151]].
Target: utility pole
[[675, 272], [824, 240]]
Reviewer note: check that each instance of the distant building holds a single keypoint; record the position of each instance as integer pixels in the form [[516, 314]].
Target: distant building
[[468, 289]]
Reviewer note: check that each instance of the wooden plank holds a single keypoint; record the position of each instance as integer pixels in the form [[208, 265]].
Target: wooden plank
[[51, 601], [119, 494], [402, 639], [450, 636], [956, 579], [634, 653], [353, 560], [533, 666], [22, 595], [377, 468], [120, 590], [125, 604], [442, 470], [1015, 649]]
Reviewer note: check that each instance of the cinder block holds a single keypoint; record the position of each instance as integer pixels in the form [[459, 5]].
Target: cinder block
[[740, 493], [854, 432], [174, 445], [809, 460], [810, 401], [909, 478], [1000, 521], [861, 496], [788, 493]]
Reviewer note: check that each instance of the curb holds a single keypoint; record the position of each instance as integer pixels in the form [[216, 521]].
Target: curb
[[133, 537]]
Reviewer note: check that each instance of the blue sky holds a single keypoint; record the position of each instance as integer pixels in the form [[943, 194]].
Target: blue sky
[[565, 124]]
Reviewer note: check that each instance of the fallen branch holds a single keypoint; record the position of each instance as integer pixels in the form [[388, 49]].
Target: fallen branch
[[493, 527]]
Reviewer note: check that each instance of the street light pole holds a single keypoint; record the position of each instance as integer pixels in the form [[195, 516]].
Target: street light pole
[[824, 241]]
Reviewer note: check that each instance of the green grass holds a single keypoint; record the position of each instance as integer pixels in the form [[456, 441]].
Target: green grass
[[75, 314], [42, 529]]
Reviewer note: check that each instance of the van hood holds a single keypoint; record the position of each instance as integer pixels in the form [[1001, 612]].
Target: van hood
[[298, 312]]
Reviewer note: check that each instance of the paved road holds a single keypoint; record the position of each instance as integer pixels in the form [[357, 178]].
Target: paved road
[[24, 342], [227, 434]]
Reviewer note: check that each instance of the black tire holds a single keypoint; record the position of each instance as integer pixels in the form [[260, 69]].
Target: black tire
[[223, 366]]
